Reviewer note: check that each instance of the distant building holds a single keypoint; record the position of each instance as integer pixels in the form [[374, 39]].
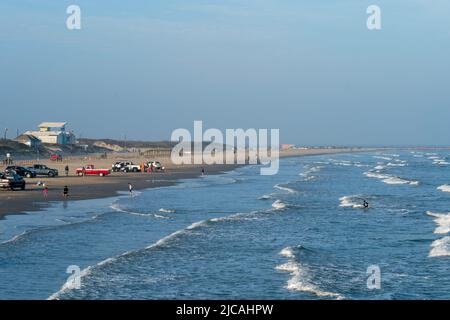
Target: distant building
[[286, 146], [28, 140], [54, 133]]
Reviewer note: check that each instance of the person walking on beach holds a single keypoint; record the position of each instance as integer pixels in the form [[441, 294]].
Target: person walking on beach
[[45, 191], [203, 171], [130, 188], [66, 170], [65, 192]]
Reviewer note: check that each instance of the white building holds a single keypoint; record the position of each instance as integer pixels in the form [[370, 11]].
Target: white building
[[54, 133], [29, 140]]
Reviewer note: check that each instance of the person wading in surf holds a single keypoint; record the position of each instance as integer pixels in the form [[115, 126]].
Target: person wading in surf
[[365, 204]]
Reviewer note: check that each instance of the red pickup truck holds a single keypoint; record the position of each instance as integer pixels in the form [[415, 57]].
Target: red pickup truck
[[90, 170], [56, 157]]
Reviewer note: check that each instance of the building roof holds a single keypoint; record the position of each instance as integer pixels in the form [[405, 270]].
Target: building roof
[[28, 137], [44, 133], [52, 124]]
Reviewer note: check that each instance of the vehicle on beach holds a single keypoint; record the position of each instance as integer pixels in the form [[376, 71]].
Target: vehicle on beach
[[90, 170], [43, 170], [120, 165], [131, 167], [56, 157], [12, 181], [155, 165], [22, 171]]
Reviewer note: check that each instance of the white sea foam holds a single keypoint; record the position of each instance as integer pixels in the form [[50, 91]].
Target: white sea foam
[[15, 238], [278, 205], [442, 220], [115, 207], [397, 180], [372, 174], [444, 188], [388, 179], [265, 197], [236, 217], [284, 188], [440, 247], [351, 201], [383, 158], [345, 164], [301, 277], [380, 167], [287, 252], [166, 210], [390, 164], [441, 162]]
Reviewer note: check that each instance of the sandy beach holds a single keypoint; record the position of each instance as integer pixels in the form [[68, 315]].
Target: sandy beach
[[91, 187]]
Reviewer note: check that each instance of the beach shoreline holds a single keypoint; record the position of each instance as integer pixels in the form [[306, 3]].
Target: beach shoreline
[[93, 187]]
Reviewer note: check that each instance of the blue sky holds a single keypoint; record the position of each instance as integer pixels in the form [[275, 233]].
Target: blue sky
[[309, 68]]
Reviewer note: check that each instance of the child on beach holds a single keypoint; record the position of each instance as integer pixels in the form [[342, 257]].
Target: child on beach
[[130, 188], [45, 192], [66, 191]]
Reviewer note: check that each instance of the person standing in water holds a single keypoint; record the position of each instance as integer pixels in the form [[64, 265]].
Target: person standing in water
[[130, 188], [66, 191], [203, 171], [365, 204], [45, 191]]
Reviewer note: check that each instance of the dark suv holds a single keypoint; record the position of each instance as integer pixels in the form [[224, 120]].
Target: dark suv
[[11, 181], [43, 170], [22, 171]]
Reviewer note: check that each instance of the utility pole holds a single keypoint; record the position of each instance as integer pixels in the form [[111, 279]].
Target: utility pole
[[6, 131], [125, 142]]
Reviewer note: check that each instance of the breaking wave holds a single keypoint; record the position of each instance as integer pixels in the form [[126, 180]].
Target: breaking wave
[[301, 276], [115, 207], [284, 188], [444, 188], [166, 210], [440, 247], [278, 205], [389, 179], [442, 220], [351, 202]]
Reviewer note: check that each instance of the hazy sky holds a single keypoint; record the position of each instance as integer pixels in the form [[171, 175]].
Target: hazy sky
[[310, 68]]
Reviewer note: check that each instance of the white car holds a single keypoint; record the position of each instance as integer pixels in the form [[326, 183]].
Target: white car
[[131, 168]]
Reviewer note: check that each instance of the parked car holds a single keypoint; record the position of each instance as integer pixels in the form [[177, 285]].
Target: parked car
[[56, 157], [43, 170], [155, 165], [90, 170], [22, 171], [119, 165], [12, 181], [131, 167]]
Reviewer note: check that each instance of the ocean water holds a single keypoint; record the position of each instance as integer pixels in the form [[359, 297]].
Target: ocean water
[[301, 234]]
